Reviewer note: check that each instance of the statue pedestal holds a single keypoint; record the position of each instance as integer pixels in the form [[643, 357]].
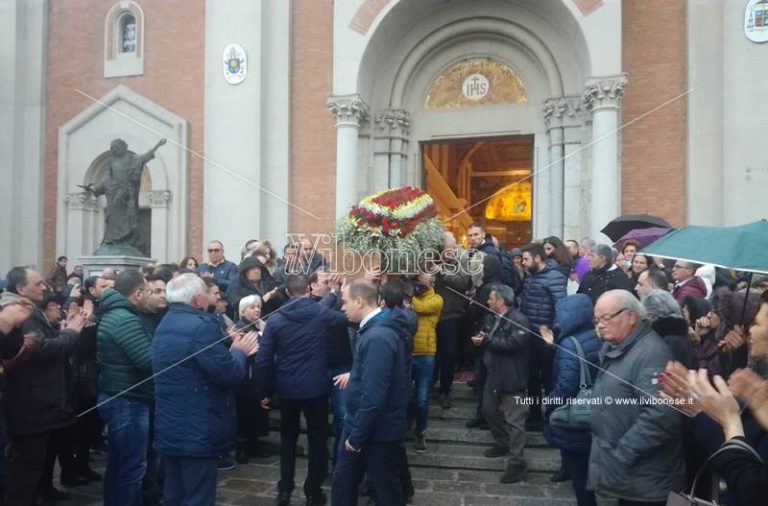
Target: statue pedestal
[[94, 264]]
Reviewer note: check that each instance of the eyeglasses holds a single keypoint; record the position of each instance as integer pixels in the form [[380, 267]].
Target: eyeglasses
[[606, 319], [216, 250]]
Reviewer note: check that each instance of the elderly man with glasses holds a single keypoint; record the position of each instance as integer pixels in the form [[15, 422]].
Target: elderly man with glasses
[[636, 453], [219, 268]]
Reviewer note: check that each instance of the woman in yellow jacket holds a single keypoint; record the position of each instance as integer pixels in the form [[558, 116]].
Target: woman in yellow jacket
[[427, 305]]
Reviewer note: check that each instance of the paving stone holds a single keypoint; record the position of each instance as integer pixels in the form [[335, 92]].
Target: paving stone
[[431, 473], [437, 499], [421, 484], [457, 487], [255, 500], [247, 486], [521, 489], [224, 496]]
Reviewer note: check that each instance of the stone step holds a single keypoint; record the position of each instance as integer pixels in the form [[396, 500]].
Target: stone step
[[451, 456], [441, 430]]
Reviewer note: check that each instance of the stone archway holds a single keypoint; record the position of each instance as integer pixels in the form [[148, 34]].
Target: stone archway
[[123, 114], [400, 64]]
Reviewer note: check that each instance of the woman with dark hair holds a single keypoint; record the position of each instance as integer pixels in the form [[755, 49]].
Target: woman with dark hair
[[701, 333], [640, 263], [189, 263], [558, 255]]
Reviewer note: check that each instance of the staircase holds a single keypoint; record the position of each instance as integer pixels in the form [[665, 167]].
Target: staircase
[[454, 471]]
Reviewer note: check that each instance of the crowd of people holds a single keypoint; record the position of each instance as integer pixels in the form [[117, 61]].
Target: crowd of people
[[173, 370]]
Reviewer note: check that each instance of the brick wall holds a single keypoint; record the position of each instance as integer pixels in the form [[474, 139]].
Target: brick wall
[[173, 77], [654, 148], [313, 135]]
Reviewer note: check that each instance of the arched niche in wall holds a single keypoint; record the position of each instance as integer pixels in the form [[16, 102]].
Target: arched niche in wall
[[124, 40]]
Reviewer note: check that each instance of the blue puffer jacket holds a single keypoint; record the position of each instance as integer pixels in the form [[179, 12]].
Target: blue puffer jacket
[[378, 384], [194, 399], [541, 291], [573, 318], [292, 358]]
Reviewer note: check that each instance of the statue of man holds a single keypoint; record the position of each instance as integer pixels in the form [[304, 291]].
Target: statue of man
[[121, 185]]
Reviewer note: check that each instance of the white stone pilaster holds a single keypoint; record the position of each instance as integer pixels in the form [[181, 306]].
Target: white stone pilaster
[[349, 111], [392, 127], [602, 96]]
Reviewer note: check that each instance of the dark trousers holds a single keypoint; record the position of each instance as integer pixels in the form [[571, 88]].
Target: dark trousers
[[88, 433], [539, 373], [316, 414], [252, 419], [448, 332], [577, 466], [481, 374], [151, 488], [60, 445], [189, 481], [505, 414], [25, 462], [381, 461]]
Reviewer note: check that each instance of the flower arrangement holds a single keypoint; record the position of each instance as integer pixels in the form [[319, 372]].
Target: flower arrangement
[[401, 223]]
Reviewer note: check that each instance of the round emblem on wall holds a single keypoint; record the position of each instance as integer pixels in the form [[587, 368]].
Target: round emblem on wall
[[235, 64], [756, 20], [475, 86]]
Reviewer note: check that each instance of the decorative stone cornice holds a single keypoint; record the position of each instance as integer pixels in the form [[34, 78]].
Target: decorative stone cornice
[[604, 91], [392, 122], [82, 201], [563, 111], [348, 110], [159, 198]]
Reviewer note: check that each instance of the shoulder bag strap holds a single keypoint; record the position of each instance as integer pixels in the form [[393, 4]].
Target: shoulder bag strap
[[728, 445], [585, 378]]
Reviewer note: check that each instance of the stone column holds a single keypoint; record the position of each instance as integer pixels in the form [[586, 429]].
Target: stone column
[[160, 202], [84, 222], [349, 111], [602, 97], [392, 125]]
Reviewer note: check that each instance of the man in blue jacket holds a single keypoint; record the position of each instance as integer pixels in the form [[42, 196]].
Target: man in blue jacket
[[219, 268], [544, 286], [292, 362], [196, 375], [376, 402]]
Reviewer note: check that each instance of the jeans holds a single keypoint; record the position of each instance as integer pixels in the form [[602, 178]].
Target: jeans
[[505, 414], [339, 408], [382, 462], [577, 466], [448, 332], [127, 423], [316, 413], [189, 481], [151, 489], [421, 370]]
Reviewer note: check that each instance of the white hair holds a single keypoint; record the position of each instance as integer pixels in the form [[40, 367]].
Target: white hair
[[627, 300], [184, 288], [247, 302]]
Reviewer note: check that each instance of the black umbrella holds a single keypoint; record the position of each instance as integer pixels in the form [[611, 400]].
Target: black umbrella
[[622, 225]]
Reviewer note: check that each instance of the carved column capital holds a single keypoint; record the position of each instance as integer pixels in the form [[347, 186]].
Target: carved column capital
[[82, 201], [348, 110], [392, 123], [563, 111], [605, 92]]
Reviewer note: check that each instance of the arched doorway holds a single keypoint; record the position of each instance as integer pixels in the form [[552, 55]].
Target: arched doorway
[[538, 46]]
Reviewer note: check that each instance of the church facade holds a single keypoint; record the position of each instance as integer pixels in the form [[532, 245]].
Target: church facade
[[535, 117]]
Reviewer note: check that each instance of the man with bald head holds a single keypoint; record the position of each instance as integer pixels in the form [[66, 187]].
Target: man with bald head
[[636, 453]]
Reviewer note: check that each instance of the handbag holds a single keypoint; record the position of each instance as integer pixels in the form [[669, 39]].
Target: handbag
[[682, 499], [577, 412]]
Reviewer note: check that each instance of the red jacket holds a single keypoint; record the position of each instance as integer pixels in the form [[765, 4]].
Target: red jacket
[[694, 287]]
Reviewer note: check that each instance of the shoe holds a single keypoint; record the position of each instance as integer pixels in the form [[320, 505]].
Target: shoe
[[559, 476], [72, 480], [284, 499], [54, 494], [241, 455], [317, 500], [226, 464], [445, 401], [475, 423], [420, 442], [90, 475], [496, 451], [513, 475]]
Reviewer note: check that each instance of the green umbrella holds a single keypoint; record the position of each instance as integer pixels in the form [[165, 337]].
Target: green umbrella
[[744, 248]]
